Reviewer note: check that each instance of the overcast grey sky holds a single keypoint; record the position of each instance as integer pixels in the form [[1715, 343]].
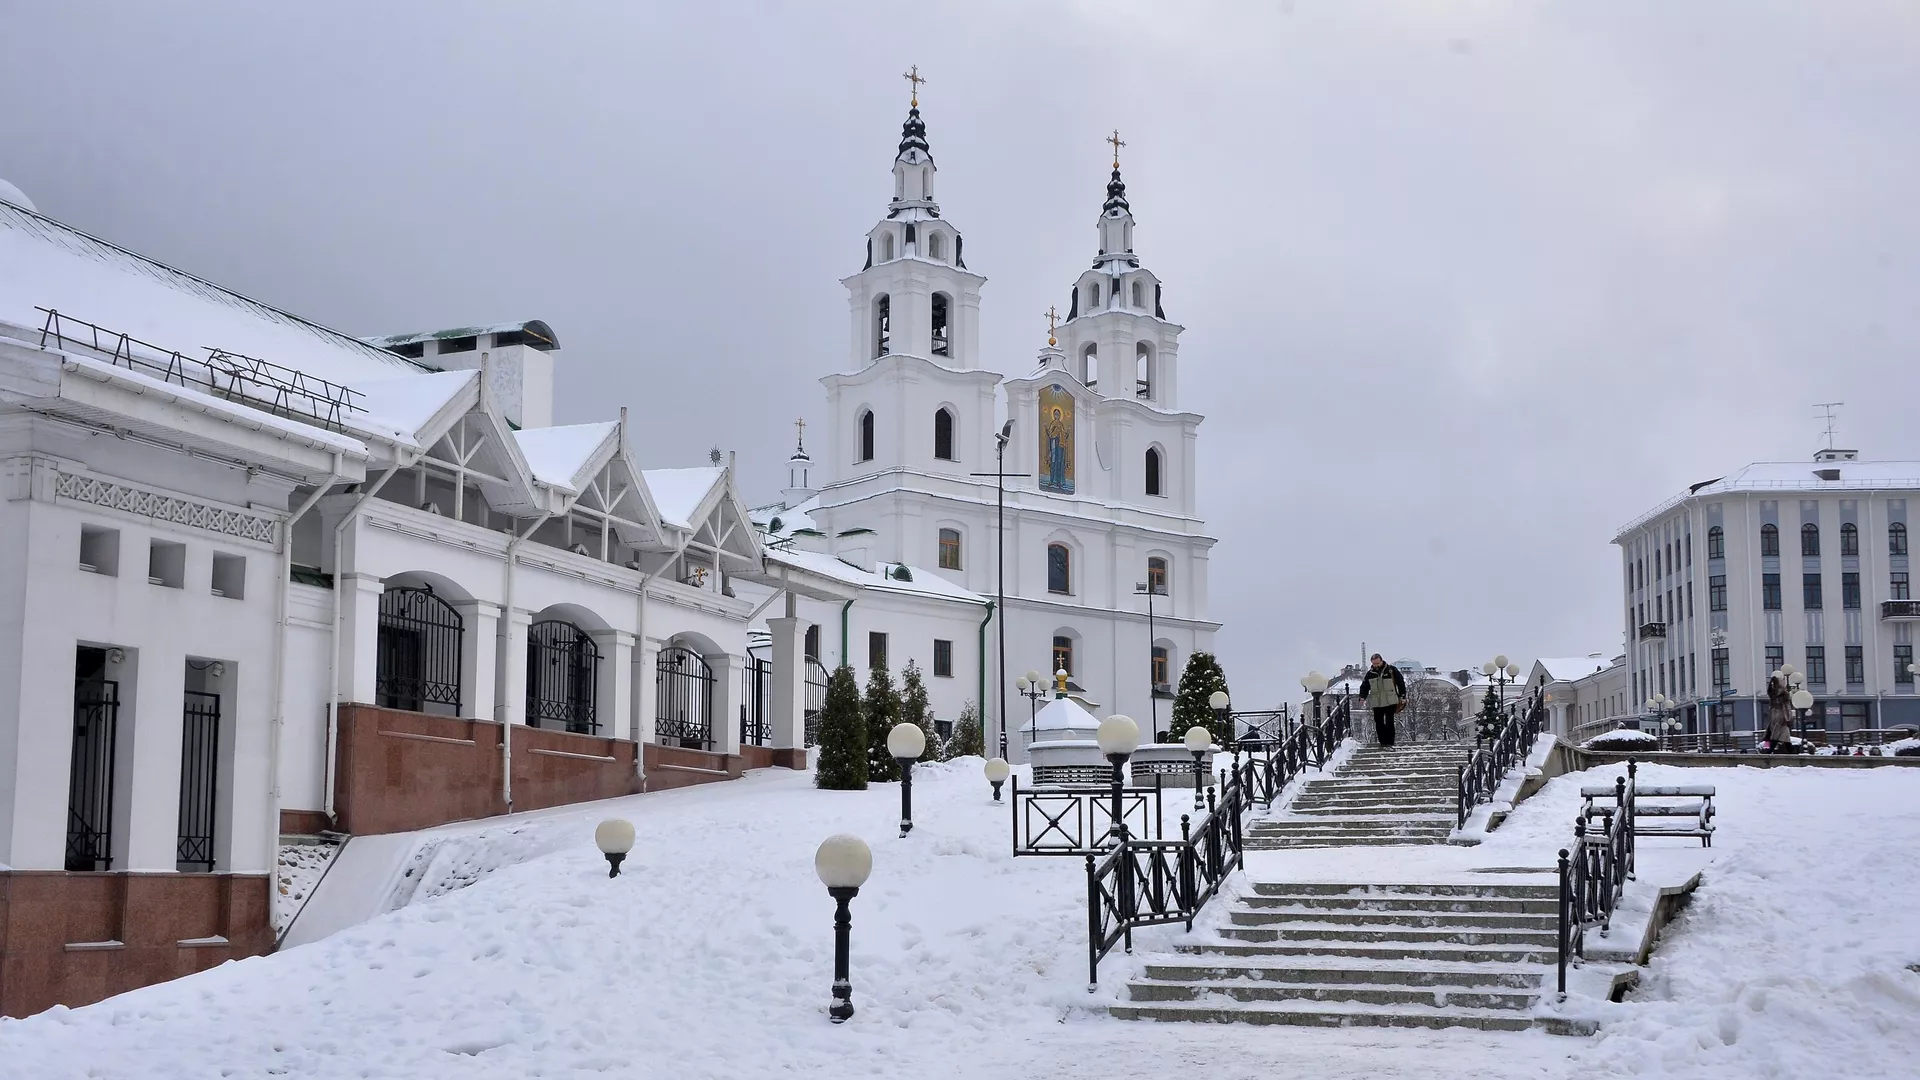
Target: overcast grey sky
[[1466, 286]]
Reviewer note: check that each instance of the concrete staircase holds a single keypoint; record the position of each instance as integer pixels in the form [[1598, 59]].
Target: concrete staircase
[[1381, 795], [1337, 955]]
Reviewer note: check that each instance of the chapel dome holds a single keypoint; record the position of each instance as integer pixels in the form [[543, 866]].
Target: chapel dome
[[9, 193]]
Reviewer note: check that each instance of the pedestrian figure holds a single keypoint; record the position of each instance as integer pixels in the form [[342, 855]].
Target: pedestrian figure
[[1385, 691], [1779, 715]]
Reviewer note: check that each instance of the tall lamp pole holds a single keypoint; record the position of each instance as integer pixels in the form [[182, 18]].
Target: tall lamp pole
[[1150, 589], [1031, 688], [1000, 474]]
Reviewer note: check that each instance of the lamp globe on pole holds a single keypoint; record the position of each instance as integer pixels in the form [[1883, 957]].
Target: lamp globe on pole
[[1199, 740], [997, 771], [843, 864], [614, 838], [906, 742], [1315, 684], [1118, 737]]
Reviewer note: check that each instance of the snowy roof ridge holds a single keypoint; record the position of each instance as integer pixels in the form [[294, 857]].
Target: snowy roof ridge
[[679, 493], [558, 455], [536, 327], [1790, 476]]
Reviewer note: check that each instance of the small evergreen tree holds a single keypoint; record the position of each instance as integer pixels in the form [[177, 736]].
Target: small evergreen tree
[[968, 740], [843, 735], [882, 710], [915, 709], [1489, 715], [1192, 706]]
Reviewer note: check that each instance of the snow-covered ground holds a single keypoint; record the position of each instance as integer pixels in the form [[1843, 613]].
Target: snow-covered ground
[[299, 869], [710, 956]]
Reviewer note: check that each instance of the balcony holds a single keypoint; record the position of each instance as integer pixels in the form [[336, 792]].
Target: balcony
[[1653, 630], [1900, 610]]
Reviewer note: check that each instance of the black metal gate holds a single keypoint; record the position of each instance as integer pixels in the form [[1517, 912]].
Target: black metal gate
[[199, 777], [685, 714], [563, 665], [418, 661], [816, 690], [96, 715], [756, 682]]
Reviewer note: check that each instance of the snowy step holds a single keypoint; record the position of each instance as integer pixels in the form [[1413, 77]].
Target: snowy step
[[1491, 920], [1282, 843], [1250, 926], [1382, 890], [1470, 954], [1394, 972], [1402, 905], [1370, 994], [1333, 1014]]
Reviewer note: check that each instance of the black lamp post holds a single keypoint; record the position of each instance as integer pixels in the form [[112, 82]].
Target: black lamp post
[[906, 742], [1198, 740], [1151, 588], [997, 771], [1000, 474], [1118, 738], [842, 863], [614, 838], [1033, 690]]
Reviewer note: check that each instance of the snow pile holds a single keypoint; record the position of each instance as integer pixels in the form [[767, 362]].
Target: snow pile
[[1905, 748], [300, 868], [1623, 739]]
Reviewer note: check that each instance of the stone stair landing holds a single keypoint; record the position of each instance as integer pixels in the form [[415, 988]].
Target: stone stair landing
[[1379, 796]]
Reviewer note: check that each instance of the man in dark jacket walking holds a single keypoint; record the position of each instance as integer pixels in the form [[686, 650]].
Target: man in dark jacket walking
[[1385, 690]]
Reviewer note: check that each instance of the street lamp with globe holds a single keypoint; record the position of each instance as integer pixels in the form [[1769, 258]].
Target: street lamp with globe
[[614, 838], [1314, 684], [1118, 737], [1802, 701], [997, 771], [1198, 739], [842, 863], [906, 742]]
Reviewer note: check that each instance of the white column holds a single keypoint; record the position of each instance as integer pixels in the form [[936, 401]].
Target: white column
[[726, 702], [613, 685], [510, 706], [152, 768], [787, 709], [359, 598], [479, 657], [646, 691]]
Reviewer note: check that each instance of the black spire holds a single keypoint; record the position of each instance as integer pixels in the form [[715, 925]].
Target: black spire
[[913, 133], [1116, 194]]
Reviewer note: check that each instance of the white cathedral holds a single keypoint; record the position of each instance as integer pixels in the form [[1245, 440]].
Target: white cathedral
[[1105, 555]]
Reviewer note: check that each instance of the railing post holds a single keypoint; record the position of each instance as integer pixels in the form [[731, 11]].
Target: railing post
[[1189, 886], [1565, 936], [1093, 928]]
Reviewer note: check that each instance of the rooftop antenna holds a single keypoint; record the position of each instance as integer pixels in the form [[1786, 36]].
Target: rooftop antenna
[[1829, 408]]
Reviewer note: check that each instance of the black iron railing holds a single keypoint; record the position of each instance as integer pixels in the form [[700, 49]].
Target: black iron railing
[[685, 700], [816, 690], [1155, 882], [1078, 820], [1492, 757], [96, 716], [756, 682], [563, 667], [199, 779], [1272, 765], [417, 661], [1594, 872]]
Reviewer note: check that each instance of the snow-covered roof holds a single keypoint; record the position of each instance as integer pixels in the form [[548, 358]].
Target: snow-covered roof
[[1792, 476], [44, 264], [924, 582], [1063, 718], [402, 407], [920, 580], [791, 519], [1568, 669], [678, 493], [11, 194], [539, 331], [558, 455]]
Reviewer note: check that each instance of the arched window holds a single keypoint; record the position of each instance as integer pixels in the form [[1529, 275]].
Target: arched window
[[1769, 540], [1716, 543], [1093, 296], [1153, 472], [1849, 539], [1897, 538], [1063, 654], [417, 652], [563, 667], [866, 435], [886, 248], [882, 325], [1143, 370], [943, 434], [942, 332], [1157, 576], [683, 704], [1090, 365], [1809, 539], [1139, 293], [949, 549], [1059, 569], [811, 646], [1160, 668], [936, 247]]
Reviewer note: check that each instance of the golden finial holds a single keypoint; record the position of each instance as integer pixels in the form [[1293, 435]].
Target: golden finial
[[1053, 319], [1117, 144], [1060, 682], [913, 76]]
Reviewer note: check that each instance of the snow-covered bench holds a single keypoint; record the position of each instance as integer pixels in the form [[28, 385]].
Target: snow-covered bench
[[1660, 810]]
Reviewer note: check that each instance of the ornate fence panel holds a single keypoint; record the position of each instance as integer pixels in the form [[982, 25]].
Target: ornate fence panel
[[563, 672], [685, 716], [1079, 820], [1595, 871], [816, 691], [1489, 762], [199, 779], [756, 684], [418, 651], [96, 718]]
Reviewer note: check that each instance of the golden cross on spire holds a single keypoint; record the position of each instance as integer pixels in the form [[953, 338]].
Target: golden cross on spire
[[913, 76], [1053, 318], [1117, 144], [800, 428]]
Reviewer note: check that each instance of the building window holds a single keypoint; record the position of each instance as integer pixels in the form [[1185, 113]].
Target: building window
[[936, 249], [1722, 671], [1770, 591], [563, 665], [417, 652], [876, 650], [1153, 472], [1059, 569], [1849, 539], [1139, 294], [942, 658], [1810, 593], [1157, 576], [1856, 665], [1776, 658], [1769, 540], [1093, 296], [1689, 599], [1817, 665], [812, 647], [882, 325], [1063, 654], [1897, 538], [1897, 586], [943, 434], [1850, 590], [1853, 715], [866, 435], [1809, 539], [1160, 666], [1716, 543], [949, 549], [100, 550], [1902, 661], [942, 325]]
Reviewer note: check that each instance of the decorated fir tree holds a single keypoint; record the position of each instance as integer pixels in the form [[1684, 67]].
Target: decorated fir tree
[[1192, 706], [1489, 719], [881, 707], [968, 740], [915, 709], [843, 735]]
